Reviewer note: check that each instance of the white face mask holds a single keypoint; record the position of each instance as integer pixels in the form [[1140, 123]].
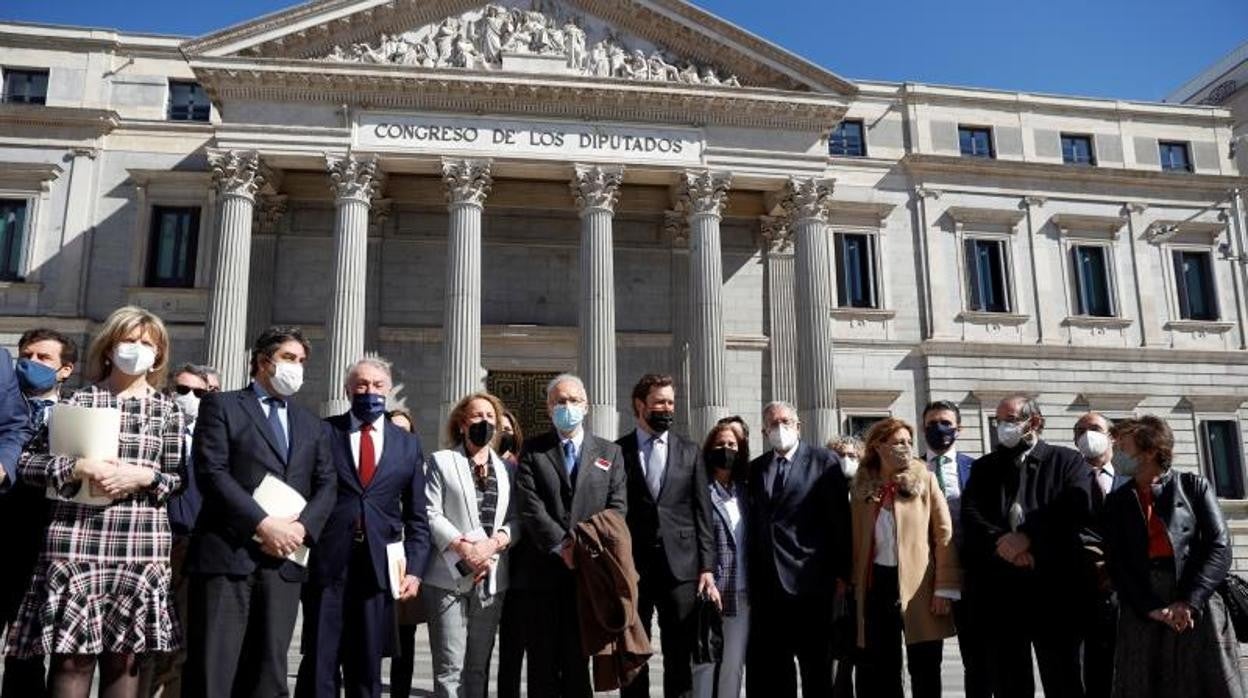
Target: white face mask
[[133, 358], [849, 466], [189, 404], [287, 377], [1092, 444], [782, 438], [1011, 433]]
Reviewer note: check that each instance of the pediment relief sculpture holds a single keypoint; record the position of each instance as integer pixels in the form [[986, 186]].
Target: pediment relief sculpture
[[481, 39]]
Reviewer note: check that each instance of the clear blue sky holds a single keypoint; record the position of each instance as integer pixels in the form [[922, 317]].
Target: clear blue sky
[[1134, 49]]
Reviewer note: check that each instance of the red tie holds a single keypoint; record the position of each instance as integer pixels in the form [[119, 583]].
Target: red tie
[[368, 459]]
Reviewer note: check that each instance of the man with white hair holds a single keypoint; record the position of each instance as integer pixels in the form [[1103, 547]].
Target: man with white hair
[[798, 533], [565, 477], [348, 607]]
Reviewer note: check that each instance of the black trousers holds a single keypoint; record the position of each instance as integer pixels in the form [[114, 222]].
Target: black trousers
[[511, 644], [558, 666], [1099, 638], [879, 672], [674, 601], [976, 667], [1021, 617], [240, 633], [784, 627], [23, 518]]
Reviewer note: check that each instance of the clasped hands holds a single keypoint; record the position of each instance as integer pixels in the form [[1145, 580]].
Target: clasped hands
[[1015, 548], [280, 535], [115, 478], [478, 555], [1177, 615]]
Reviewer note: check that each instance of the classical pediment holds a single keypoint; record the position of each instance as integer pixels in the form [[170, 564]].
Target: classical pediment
[[655, 41]]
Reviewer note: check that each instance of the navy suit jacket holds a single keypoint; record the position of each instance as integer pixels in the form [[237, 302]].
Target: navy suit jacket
[[234, 448], [803, 540], [391, 508], [964, 469], [15, 426]]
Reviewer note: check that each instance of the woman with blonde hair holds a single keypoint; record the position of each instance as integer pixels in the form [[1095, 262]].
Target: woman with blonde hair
[[101, 593], [468, 493], [905, 568]]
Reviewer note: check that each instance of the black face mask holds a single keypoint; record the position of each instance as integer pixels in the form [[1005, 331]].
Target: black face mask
[[480, 433], [721, 458], [507, 443], [660, 422]]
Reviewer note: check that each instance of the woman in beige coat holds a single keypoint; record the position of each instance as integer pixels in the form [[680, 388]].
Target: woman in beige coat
[[905, 567]]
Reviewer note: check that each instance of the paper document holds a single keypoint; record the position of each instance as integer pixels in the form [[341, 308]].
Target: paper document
[[84, 432], [396, 564], [460, 568], [278, 499]]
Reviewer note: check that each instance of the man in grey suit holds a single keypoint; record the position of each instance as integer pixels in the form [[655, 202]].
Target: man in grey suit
[[565, 477], [669, 518]]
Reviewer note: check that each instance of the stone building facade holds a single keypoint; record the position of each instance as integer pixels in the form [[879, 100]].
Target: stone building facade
[[487, 194]]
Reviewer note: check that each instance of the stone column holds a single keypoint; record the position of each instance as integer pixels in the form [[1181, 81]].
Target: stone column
[[355, 181], [676, 231], [467, 184], [703, 194], [270, 214], [596, 190], [806, 205], [238, 176], [780, 315]]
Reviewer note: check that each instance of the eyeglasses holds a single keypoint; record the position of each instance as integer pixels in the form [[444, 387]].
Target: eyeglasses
[[184, 389]]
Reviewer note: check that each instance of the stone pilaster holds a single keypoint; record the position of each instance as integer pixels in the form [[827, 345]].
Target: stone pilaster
[[780, 313], [676, 232], [354, 181], [806, 206], [1144, 267], [238, 176], [269, 217], [703, 194], [467, 182], [596, 190]]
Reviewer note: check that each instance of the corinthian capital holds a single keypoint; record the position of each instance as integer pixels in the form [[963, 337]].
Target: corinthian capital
[[353, 177], [807, 198], [703, 192], [269, 212], [467, 181], [775, 234], [595, 186], [237, 172]]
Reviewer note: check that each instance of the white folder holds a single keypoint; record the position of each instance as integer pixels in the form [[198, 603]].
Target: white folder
[[278, 499], [84, 432]]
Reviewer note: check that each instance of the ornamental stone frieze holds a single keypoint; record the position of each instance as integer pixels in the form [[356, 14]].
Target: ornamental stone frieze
[[467, 181], [597, 187], [484, 38], [807, 198], [237, 172], [703, 192], [353, 177]]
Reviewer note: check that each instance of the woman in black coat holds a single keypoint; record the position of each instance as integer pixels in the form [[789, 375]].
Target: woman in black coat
[[1169, 550]]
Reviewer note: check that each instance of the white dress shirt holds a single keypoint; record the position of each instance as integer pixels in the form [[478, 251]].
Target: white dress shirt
[[379, 439], [1105, 477], [948, 472], [283, 412], [770, 475]]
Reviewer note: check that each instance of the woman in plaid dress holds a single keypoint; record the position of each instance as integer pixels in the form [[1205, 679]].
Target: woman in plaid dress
[[101, 591]]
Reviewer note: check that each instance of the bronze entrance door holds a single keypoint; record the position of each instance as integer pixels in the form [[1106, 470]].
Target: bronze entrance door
[[524, 393]]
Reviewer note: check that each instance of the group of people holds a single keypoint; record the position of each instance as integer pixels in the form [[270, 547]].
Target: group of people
[[178, 567]]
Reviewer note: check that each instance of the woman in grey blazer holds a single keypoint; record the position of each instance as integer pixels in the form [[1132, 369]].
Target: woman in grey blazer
[[469, 504]]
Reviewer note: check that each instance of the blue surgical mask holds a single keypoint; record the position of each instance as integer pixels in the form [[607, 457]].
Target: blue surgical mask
[[1124, 464], [34, 377], [568, 417], [367, 407]]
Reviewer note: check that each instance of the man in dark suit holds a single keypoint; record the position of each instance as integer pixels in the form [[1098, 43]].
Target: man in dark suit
[[244, 588], [1100, 627], [1025, 513], [45, 361], [798, 557], [669, 508], [565, 477], [348, 608], [942, 424]]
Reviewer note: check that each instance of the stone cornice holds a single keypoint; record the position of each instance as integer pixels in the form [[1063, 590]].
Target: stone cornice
[[28, 176], [94, 122], [451, 89], [998, 170], [1032, 352]]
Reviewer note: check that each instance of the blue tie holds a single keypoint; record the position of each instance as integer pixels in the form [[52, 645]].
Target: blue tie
[[275, 423], [41, 408], [569, 460]]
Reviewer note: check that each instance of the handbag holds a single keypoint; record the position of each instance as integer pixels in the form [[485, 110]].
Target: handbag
[[1234, 593], [709, 643]]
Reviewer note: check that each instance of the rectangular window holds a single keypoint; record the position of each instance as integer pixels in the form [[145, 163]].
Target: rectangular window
[[1194, 282], [855, 271], [1077, 150], [1092, 286], [1174, 156], [975, 142], [988, 275], [173, 246], [847, 139], [25, 86], [188, 102], [857, 425], [12, 234], [1223, 461]]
